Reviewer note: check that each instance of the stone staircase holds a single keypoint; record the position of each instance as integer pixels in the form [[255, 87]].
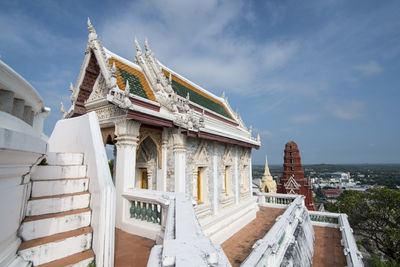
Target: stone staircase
[[56, 230]]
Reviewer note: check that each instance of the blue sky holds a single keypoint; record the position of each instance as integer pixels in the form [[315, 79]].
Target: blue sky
[[323, 73]]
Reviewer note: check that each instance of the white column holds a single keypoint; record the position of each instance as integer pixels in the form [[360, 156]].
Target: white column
[[215, 179], [250, 174], [236, 182], [162, 185], [180, 161], [127, 132]]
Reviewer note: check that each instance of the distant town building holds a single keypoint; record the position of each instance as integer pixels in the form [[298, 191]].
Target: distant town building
[[333, 193], [267, 183], [293, 181]]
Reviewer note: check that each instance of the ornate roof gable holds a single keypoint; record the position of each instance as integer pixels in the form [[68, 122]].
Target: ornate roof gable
[[291, 185]]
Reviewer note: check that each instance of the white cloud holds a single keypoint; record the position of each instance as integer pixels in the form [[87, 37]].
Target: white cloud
[[369, 68], [303, 118], [347, 110], [198, 40], [266, 133], [275, 55]]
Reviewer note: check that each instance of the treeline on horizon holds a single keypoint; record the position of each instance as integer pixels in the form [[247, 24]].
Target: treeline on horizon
[[374, 174]]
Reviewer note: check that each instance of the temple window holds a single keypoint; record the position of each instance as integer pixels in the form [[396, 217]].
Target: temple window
[[226, 180], [199, 185], [143, 179]]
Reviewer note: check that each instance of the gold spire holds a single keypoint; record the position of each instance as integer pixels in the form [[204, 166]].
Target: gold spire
[[266, 170], [267, 182]]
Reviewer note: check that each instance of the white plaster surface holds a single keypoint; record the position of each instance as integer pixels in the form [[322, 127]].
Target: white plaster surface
[[88, 141], [58, 172], [59, 187], [229, 220], [63, 159], [57, 204], [19, 262], [56, 250], [45, 227], [19, 151]]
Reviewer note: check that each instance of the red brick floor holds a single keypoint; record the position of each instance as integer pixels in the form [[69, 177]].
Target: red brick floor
[[239, 246], [327, 250], [131, 250]]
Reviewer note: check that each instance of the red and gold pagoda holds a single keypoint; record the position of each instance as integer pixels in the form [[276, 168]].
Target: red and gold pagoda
[[293, 181]]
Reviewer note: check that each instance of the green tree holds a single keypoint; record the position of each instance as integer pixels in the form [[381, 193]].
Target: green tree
[[111, 166], [376, 216]]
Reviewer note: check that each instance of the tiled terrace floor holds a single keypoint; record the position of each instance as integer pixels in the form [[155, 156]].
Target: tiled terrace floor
[[131, 250], [239, 246], [328, 250]]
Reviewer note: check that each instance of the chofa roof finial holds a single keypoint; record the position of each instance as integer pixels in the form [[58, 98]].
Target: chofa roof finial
[[138, 49], [90, 26], [92, 34], [146, 46]]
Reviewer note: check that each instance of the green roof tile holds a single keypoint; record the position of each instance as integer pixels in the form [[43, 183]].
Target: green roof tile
[[136, 87], [199, 99]]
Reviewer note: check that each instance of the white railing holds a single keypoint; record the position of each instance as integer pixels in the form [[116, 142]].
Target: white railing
[[271, 250], [184, 243], [82, 134], [317, 218], [21, 107], [22, 146], [353, 255], [324, 219], [275, 200], [146, 212]]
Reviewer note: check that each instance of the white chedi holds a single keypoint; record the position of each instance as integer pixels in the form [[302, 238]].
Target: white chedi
[[267, 183]]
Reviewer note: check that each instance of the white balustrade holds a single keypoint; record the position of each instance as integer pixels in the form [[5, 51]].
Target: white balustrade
[[147, 212], [275, 200], [22, 146], [271, 250], [324, 219], [353, 255], [21, 107]]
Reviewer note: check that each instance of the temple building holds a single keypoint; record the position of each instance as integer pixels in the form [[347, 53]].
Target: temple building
[[181, 195], [293, 181], [170, 134], [268, 184]]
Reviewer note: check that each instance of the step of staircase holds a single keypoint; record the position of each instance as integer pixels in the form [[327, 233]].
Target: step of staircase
[[48, 172], [64, 159], [58, 203], [53, 248], [34, 227], [81, 259], [41, 188], [56, 231]]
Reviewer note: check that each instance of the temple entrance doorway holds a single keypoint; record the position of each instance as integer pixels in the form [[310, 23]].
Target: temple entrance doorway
[[146, 165]]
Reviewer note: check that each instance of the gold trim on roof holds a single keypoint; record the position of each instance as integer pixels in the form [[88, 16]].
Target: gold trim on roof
[[120, 82]]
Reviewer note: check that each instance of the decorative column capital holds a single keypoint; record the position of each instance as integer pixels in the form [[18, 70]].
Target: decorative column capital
[[179, 142], [127, 132]]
